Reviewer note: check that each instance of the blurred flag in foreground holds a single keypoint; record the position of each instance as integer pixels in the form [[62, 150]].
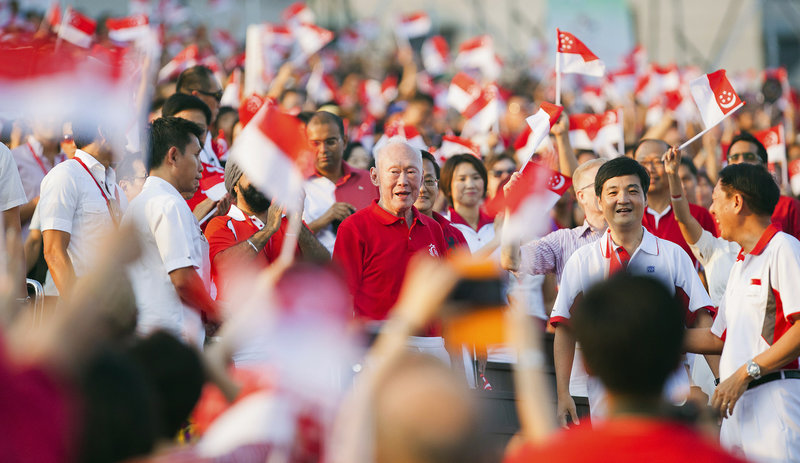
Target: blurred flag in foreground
[[540, 123], [413, 25], [435, 55], [77, 28], [274, 153], [127, 29]]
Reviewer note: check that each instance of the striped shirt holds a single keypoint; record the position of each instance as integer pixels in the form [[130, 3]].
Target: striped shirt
[[550, 253]]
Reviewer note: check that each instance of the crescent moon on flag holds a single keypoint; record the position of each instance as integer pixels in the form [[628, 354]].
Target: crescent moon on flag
[[556, 182], [730, 97]]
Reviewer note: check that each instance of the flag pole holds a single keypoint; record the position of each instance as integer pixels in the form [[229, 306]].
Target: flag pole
[[694, 138], [558, 77]]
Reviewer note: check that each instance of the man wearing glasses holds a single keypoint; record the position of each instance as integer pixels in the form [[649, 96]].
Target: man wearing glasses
[[428, 193], [745, 148], [658, 217]]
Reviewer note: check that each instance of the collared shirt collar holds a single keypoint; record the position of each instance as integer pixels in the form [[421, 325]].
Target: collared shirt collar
[[387, 218], [238, 215], [659, 215], [483, 218], [347, 172], [762, 242], [649, 243], [98, 169], [158, 182]]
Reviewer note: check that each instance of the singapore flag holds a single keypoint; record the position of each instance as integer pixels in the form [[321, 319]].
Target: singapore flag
[[715, 97], [540, 124], [575, 58]]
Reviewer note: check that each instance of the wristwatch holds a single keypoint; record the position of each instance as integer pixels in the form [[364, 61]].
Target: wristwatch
[[753, 370]]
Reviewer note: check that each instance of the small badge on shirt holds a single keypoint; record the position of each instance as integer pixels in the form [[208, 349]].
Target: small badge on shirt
[[651, 269], [755, 281], [433, 251]]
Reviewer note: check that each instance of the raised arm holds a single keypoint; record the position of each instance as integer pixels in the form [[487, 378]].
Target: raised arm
[[567, 162], [690, 227]]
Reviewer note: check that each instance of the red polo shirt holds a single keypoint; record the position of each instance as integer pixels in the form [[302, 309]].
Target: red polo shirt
[[666, 227], [787, 215], [226, 231], [355, 187], [373, 248], [452, 236]]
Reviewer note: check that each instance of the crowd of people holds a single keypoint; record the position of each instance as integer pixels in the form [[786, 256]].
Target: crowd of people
[[190, 313]]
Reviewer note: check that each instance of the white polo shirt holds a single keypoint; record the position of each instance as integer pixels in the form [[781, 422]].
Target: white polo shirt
[[761, 302], [70, 201], [655, 257], [12, 194], [171, 238], [33, 166]]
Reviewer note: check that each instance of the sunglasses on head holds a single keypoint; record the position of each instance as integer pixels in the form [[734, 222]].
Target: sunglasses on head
[[216, 95]]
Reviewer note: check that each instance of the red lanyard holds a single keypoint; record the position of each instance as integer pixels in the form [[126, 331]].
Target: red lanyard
[[114, 215], [39, 160]]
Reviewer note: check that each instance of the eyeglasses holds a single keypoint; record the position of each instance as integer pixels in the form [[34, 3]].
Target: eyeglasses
[[216, 95], [430, 182], [748, 157], [499, 172], [585, 186]]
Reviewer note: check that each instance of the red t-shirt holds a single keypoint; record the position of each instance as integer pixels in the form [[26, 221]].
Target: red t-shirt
[[373, 248], [452, 236], [667, 227], [787, 215], [226, 231], [625, 440]]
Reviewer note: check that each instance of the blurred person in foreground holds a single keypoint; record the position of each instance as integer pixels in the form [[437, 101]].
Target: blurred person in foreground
[[755, 329], [374, 245], [746, 149], [171, 278], [621, 188], [612, 317]]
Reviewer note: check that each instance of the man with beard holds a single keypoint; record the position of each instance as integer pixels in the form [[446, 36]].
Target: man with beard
[[252, 232]]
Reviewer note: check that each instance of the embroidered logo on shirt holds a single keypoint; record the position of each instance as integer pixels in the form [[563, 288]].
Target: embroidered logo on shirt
[[755, 281], [433, 251], [651, 269]]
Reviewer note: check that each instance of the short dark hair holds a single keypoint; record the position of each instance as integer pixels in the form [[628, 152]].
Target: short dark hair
[[620, 312], [195, 78], [324, 117], [426, 156], [686, 162], [761, 151], [618, 167], [86, 130], [184, 102], [754, 183], [166, 132], [445, 183], [175, 372]]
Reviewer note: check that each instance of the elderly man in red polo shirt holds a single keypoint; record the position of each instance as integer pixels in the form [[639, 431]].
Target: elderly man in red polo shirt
[[336, 189], [374, 245]]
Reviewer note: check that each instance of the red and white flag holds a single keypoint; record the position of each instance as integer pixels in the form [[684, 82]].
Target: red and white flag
[[272, 150], [774, 141], [413, 25], [482, 114], [575, 58], [398, 130], [657, 81], [77, 28], [310, 39], [389, 89], [715, 97], [594, 97], [128, 29], [182, 61], [371, 98], [794, 176], [529, 201], [298, 13], [601, 133], [435, 55], [478, 53], [462, 92], [52, 17], [232, 95], [452, 145], [321, 87], [540, 124]]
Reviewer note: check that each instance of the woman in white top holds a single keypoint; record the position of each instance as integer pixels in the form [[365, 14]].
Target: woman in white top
[[463, 182]]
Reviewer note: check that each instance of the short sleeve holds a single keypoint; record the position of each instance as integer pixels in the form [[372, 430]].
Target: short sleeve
[[58, 200], [687, 280], [568, 291], [220, 237], [705, 247], [720, 323], [170, 231], [12, 194], [785, 277]]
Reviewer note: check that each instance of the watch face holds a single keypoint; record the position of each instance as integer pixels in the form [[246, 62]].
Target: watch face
[[753, 369]]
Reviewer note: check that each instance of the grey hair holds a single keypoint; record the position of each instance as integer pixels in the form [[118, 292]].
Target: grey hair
[[391, 144], [582, 169]]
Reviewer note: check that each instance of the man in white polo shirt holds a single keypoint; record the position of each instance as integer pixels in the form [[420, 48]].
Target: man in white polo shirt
[[755, 328], [79, 205], [621, 187], [171, 278]]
